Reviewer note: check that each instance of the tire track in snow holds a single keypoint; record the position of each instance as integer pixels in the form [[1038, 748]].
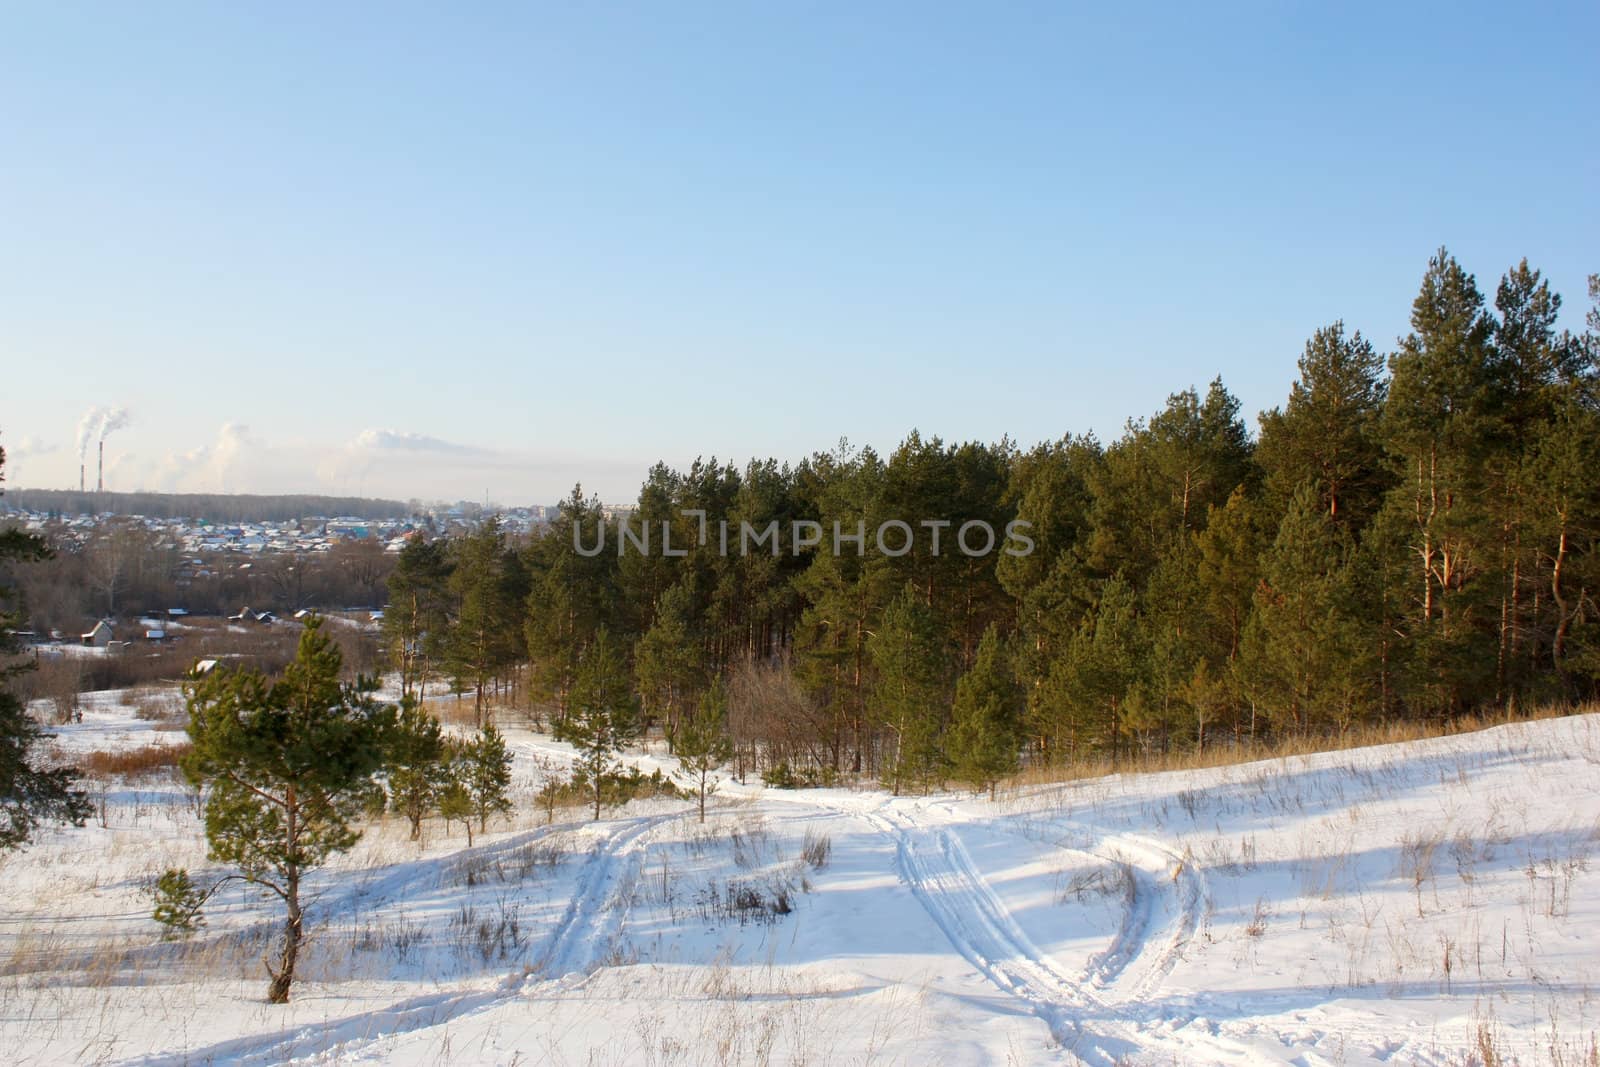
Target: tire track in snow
[[1179, 875], [1127, 969], [594, 917], [978, 925], [940, 872]]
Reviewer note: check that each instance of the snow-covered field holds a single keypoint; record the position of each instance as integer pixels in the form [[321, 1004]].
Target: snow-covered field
[[1401, 905]]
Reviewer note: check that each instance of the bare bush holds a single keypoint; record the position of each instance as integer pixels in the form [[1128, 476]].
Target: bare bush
[[491, 935], [815, 849], [1417, 852], [771, 719], [746, 901]]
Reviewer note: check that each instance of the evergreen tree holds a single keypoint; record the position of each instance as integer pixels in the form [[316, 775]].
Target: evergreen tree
[[669, 659], [753, 605], [1440, 420], [703, 744], [909, 698], [416, 767], [455, 799], [845, 592], [287, 766], [1328, 431], [1095, 682], [482, 639], [602, 718], [486, 772], [178, 904], [1304, 658], [645, 575], [29, 793], [1563, 470], [1159, 481], [1175, 646], [1537, 372], [571, 596], [416, 620], [1050, 488], [985, 729], [1227, 571]]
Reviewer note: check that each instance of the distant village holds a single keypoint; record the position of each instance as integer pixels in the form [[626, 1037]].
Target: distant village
[[117, 577], [198, 536]]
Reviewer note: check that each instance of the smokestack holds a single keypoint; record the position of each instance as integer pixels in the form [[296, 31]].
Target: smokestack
[[82, 484], [100, 479]]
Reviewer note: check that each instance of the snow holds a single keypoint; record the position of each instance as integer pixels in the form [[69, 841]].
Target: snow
[[110, 721], [1390, 905]]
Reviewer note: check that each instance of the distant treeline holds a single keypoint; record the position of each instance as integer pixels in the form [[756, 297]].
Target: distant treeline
[[1411, 536], [213, 507]]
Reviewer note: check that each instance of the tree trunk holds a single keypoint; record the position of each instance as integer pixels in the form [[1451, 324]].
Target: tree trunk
[[1558, 642], [283, 976]]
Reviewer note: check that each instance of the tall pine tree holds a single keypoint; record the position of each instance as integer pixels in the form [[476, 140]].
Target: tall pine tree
[[986, 720], [287, 767], [602, 718]]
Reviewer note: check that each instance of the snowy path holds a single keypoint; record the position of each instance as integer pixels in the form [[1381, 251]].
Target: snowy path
[[589, 928]]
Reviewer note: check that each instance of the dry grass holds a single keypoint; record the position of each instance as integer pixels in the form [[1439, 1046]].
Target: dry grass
[[157, 703], [1221, 755], [133, 762]]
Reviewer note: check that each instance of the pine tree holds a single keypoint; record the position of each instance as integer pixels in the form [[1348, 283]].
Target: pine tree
[[482, 639], [1328, 431], [178, 904], [1439, 422], [1305, 659], [1096, 679], [29, 794], [416, 621], [1538, 372], [602, 718], [845, 593], [571, 596], [486, 772], [455, 799], [1228, 572], [985, 729], [1563, 471], [645, 576], [669, 659], [1158, 483], [288, 766], [909, 697], [703, 744], [415, 767], [1175, 644]]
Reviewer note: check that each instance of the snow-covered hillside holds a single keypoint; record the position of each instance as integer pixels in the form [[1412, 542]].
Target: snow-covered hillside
[[1416, 903]]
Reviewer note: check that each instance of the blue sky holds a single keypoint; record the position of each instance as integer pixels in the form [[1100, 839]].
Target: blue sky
[[438, 251]]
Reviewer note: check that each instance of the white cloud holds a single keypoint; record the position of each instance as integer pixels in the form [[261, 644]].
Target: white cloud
[[29, 446], [407, 441], [209, 468]]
